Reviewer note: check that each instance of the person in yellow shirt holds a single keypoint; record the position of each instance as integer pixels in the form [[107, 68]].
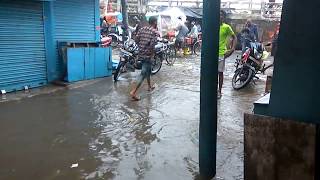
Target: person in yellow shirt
[[225, 34]]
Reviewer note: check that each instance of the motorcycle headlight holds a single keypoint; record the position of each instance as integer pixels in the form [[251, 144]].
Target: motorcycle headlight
[[257, 55]]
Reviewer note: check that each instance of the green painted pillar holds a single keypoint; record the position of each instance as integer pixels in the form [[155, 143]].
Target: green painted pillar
[[296, 82], [208, 89]]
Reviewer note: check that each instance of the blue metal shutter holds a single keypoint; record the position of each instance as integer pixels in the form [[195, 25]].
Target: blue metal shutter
[[22, 45], [74, 21]]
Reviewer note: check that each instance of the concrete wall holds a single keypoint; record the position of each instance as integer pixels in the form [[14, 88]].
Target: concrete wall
[[266, 28], [278, 149]]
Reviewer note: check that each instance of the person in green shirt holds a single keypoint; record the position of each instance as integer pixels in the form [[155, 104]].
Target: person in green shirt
[[225, 35]]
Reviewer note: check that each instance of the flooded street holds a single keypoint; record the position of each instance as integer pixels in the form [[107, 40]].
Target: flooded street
[[98, 129]]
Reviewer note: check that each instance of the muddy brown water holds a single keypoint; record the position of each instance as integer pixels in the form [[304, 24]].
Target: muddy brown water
[[111, 137]]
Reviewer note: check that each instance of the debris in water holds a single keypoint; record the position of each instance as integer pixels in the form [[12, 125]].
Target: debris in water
[[74, 165], [109, 160]]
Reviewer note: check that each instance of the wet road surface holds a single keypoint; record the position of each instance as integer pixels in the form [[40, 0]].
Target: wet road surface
[[109, 136]]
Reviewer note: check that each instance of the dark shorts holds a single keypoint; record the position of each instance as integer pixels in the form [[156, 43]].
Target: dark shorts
[[179, 43], [145, 71]]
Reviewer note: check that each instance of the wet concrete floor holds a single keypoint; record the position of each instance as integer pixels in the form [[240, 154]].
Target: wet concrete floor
[[108, 136]]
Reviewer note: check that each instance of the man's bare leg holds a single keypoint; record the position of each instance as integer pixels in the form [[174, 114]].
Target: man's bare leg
[[133, 92], [150, 87]]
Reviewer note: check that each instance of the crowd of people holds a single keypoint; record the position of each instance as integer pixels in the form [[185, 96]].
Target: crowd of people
[[183, 29]]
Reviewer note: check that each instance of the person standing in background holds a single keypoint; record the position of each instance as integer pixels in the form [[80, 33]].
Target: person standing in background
[[194, 30], [253, 30], [183, 32], [225, 34]]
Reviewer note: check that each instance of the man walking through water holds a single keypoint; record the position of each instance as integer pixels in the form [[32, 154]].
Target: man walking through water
[[146, 39], [225, 34]]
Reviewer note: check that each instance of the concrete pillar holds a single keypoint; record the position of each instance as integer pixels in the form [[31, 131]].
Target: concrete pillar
[[295, 88], [250, 5], [118, 5], [139, 8], [208, 89]]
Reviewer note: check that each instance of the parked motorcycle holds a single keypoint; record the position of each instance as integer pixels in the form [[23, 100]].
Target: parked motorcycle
[[129, 58], [169, 50], [161, 53], [118, 37], [250, 64]]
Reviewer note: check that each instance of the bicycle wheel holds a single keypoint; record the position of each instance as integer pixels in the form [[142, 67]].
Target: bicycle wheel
[[197, 48]]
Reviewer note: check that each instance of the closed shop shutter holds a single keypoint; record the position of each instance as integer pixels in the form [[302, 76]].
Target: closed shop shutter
[[74, 21], [22, 45]]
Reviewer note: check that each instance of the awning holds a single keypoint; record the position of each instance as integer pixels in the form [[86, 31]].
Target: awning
[[192, 12], [189, 12]]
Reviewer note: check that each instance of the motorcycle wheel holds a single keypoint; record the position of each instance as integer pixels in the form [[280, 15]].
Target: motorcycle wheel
[[170, 57], [241, 78], [118, 71], [156, 65], [114, 42]]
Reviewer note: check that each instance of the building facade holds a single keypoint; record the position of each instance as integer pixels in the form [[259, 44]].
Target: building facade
[[30, 33]]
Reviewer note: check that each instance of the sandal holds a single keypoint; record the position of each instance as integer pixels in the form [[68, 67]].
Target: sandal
[[135, 98], [151, 88]]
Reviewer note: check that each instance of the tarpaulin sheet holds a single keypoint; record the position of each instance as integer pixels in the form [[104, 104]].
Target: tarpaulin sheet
[[189, 12]]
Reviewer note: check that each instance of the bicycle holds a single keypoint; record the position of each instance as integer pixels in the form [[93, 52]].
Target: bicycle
[[193, 45]]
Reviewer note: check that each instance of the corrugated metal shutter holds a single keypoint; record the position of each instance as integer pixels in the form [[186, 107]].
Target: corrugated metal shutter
[[22, 45], [74, 22]]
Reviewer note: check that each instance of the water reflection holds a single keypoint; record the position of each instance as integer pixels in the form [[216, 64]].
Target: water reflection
[[125, 132]]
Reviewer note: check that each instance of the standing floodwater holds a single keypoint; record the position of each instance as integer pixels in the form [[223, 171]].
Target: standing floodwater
[[109, 136]]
